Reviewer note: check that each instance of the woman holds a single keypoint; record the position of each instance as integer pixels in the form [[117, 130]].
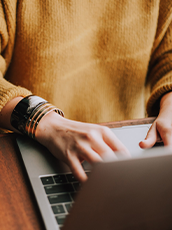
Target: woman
[[98, 61]]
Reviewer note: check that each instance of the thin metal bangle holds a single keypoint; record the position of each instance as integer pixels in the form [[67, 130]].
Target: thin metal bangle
[[48, 110], [33, 116]]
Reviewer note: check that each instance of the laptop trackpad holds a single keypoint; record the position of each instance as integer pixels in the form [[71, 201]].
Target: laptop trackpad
[[130, 136]]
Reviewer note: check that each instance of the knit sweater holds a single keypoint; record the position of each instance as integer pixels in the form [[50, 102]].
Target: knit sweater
[[98, 61]]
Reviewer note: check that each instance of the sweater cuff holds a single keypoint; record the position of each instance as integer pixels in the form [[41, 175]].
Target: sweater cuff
[[163, 86], [10, 92]]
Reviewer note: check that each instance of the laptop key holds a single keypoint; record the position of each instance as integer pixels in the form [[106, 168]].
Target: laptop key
[[47, 180], [55, 199], [58, 188], [68, 207], [58, 209], [60, 219], [71, 178], [59, 179]]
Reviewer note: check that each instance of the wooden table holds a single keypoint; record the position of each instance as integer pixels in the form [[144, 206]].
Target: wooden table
[[18, 208]]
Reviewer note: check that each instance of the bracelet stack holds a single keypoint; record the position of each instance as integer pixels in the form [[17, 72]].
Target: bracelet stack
[[28, 113]]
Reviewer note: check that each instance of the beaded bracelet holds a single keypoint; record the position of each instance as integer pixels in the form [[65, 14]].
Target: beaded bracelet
[[28, 112]]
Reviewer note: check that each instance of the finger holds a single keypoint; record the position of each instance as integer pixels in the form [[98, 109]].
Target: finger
[[77, 169], [151, 138], [114, 143], [89, 154], [104, 151]]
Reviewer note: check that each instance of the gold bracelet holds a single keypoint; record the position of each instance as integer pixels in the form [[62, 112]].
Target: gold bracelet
[[39, 118], [37, 115], [29, 120]]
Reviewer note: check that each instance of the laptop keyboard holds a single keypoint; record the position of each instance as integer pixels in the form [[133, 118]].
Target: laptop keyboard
[[61, 190]]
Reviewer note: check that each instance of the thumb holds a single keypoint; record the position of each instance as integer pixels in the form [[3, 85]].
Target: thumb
[[150, 139]]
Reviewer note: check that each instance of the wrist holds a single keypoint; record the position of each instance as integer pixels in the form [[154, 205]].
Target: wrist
[[47, 127], [166, 101]]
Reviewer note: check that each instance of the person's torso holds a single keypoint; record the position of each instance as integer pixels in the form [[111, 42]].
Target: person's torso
[[89, 58]]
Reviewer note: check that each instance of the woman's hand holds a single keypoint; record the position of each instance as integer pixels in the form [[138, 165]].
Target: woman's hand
[[162, 126], [71, 141], [74, 142]]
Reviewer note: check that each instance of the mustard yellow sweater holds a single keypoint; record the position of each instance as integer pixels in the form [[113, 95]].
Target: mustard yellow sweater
[[98, 60]]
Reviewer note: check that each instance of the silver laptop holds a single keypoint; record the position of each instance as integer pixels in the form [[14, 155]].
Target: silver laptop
[[133, 194], [58, 192]]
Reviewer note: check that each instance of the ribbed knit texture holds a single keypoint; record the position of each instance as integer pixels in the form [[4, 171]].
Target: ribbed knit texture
[[96, 60]]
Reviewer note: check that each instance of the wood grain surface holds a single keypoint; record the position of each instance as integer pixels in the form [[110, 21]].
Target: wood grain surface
[[18, 207], [117, 124]]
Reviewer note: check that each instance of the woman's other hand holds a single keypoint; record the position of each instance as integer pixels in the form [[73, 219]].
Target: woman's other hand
[[162, 126]]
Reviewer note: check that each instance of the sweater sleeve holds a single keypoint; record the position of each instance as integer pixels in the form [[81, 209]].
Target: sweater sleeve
[[159, 76], [7, 37]]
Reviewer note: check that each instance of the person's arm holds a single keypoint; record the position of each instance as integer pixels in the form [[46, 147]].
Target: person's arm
[[71, 141], [160, 80]]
